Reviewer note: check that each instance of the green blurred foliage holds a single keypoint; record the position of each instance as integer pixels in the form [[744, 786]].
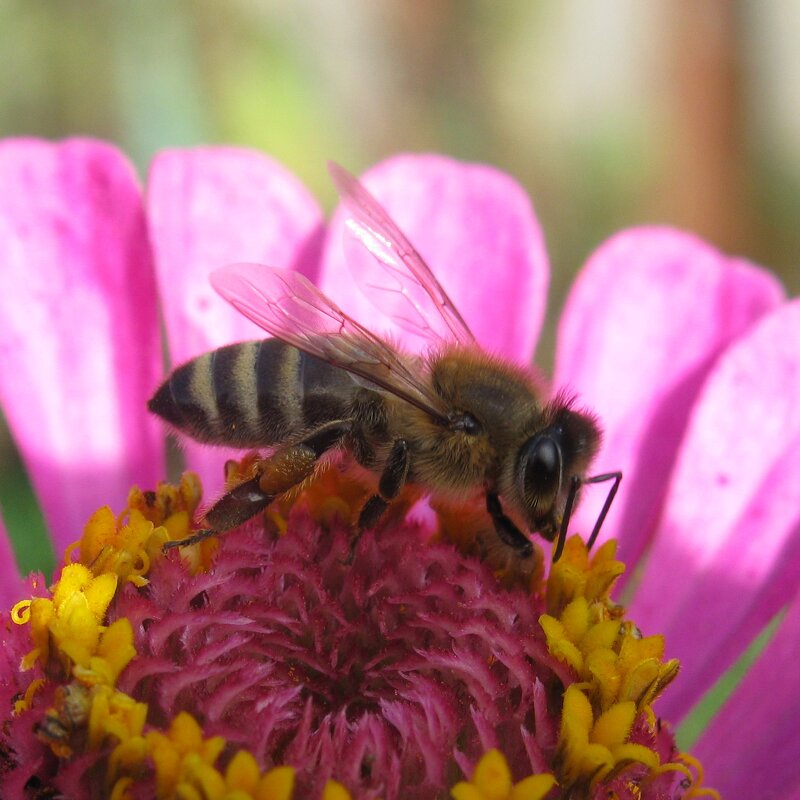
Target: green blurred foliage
[[571, 100]]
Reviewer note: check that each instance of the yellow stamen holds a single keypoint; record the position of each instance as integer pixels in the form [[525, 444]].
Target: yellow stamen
[[574, 575], [697, 789], [120, 790], [25, 702], [72, 553], [21, 612]]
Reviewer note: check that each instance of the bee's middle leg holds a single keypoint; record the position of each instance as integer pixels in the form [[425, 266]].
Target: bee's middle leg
[[392, 480], [275, 475]]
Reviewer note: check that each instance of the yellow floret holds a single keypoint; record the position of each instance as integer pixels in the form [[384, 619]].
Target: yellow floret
[[491, 780], [335, 791]]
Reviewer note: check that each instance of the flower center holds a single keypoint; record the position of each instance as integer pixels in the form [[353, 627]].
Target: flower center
[[389, 664], [393, 670]]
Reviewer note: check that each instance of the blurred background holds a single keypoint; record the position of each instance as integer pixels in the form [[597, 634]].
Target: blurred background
[[610, 114]]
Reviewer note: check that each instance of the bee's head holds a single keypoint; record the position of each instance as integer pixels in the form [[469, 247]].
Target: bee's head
[[548, 459]]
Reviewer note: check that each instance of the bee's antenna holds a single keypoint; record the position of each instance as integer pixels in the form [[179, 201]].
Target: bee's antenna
[[575, 483], [612, 493]]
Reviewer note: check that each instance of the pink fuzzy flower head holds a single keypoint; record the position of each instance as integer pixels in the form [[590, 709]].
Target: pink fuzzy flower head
[[394, 672], [266, 666], [389, 674]]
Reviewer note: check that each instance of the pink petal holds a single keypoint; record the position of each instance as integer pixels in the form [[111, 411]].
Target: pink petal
[[476, 229], [727, 552], [645, 320], [11, 583], [751, 748], [79, 340], [208, 207]]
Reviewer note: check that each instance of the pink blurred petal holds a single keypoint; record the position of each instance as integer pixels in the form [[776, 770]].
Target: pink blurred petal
[[751, 747], [79, 340], [11, 583], [643, 324], [728, 547], [476, 229], [756, 570], [208, 207]]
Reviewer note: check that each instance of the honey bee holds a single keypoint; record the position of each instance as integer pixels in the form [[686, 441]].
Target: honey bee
[[454, 421]]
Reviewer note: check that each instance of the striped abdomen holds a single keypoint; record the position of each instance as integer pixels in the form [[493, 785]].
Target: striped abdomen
[[253, 394]]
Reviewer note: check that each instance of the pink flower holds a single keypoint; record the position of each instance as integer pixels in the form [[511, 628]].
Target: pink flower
[[691, 360]]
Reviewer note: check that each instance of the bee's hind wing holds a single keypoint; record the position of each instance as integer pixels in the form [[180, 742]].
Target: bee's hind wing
[[396, 278]]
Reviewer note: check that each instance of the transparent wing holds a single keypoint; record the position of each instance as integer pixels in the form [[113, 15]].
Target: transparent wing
[[287, 305], [396, 279]]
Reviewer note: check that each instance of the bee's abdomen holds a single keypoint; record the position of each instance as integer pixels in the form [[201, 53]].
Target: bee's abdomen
[[252, 394]]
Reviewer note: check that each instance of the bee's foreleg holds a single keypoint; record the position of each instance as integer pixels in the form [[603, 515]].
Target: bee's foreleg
[[282, 471], [392, 480], [508, 532]]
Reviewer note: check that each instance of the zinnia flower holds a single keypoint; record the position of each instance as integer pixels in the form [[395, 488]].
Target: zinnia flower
[[263, 663]]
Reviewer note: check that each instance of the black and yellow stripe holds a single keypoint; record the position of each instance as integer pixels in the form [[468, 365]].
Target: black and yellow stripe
[[253, 394]]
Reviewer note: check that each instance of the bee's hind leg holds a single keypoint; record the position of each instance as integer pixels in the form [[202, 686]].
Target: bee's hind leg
[[283, 470], [232, 509]]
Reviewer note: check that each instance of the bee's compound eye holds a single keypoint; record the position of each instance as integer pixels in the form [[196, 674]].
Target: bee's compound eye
[[541, 458]]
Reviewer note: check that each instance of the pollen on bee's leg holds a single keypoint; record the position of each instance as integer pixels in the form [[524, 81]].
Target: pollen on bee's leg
[[285, 469]]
